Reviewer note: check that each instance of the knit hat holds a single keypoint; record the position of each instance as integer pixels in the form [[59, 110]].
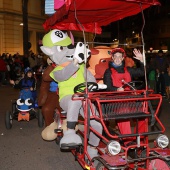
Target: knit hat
[[117, 50], [28, 69]]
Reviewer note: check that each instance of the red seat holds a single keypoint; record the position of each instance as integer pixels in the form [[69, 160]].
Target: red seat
[[101, 67]]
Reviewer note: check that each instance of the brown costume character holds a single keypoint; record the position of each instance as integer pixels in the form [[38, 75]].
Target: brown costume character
[[49, 101]]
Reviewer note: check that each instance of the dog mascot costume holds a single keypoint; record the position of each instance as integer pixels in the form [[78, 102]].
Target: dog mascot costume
[[70, 72]]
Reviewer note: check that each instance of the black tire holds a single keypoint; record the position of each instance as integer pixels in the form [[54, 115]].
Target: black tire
[[40, 119], [14, 109], [57, 140], [8, 120]]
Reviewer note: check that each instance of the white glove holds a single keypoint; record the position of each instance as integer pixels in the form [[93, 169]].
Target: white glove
[[102, 86]]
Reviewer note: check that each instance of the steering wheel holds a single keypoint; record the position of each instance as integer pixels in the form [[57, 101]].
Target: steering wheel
[[135, 85], [80, 88]]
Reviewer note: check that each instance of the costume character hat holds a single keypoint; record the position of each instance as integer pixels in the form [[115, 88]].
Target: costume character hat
[[56, 37]]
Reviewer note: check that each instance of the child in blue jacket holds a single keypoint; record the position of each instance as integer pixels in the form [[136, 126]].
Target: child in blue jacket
[[27, 82]]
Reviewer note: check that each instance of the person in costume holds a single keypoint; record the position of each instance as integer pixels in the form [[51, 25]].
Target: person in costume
[[70, 71], [48, 98], [117, 74]]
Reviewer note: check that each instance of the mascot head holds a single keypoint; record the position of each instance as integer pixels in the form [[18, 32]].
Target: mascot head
[[58, 46]]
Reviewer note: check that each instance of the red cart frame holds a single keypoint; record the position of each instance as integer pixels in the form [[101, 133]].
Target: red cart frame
[[135, 106], [131, 105]]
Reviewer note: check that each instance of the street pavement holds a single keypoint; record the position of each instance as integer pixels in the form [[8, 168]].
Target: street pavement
[[22, 148]]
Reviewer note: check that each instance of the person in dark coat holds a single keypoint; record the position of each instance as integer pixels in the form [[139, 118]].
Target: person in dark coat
[[161, 64], [3, 70], [117, 74]]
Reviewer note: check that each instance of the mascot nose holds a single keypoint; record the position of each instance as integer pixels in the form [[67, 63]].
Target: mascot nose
[[71, 46]]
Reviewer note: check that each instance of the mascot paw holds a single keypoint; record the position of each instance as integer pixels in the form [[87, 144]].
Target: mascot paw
[[82, 52], [70, 138], [48, 133]]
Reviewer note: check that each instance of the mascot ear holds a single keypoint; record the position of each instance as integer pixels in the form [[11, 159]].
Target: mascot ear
[[48, 51]]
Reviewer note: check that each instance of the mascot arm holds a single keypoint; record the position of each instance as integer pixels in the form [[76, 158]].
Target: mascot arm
[[65, 73], [46, 73], [43, 93], [90, 77], [45, 85]]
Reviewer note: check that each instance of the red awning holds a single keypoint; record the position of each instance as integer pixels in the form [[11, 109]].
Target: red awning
[[90, 15]]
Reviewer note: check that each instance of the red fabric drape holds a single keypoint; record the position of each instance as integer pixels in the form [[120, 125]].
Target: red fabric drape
[[92, 14]]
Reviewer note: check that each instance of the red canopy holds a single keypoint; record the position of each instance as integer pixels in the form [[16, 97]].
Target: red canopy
[[92, 14]]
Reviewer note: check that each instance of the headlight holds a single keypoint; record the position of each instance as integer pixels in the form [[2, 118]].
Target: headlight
[[114, 147], [162, 141]]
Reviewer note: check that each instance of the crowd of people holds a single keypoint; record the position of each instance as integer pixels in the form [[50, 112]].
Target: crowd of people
[[12, 66], [158, 69], [158, 72]]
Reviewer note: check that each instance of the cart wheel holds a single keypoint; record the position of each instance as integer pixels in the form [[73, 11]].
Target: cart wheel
[[8, 120], [14, 109], [40, 119], [100, 166]]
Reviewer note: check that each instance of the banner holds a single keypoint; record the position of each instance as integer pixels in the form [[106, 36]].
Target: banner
[[49, 7]]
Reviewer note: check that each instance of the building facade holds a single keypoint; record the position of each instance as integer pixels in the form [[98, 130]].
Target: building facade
[[11, 29], [156, 32]]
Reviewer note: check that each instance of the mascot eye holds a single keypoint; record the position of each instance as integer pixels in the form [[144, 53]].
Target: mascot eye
[[59, 48], [80, 44], [28, 102], [20, 102], [87, 46]]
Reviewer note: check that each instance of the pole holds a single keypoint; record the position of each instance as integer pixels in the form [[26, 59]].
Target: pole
[[25, 26]]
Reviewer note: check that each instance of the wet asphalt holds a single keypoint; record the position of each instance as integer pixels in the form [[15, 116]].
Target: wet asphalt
[[22, 148]]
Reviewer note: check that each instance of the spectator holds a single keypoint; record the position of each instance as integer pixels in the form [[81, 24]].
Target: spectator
[[28, 82], [32, 61], [14, 73], [26, 61], [3, 70], [152, 79], [18, 62], [161, 64], [167, 83]]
